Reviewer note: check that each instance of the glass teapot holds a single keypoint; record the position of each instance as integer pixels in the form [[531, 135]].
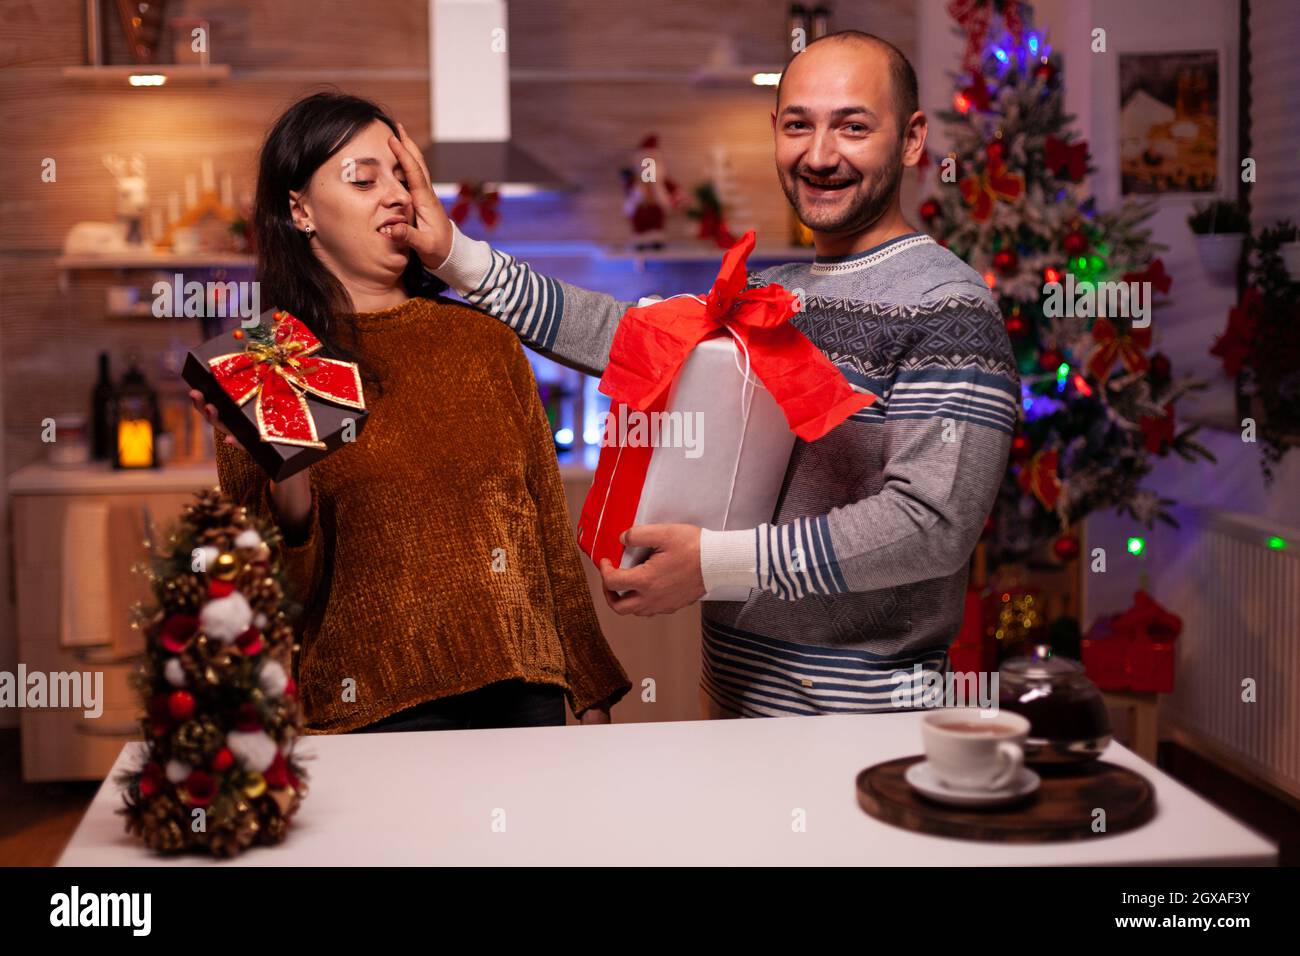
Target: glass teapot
[[1068, 722]]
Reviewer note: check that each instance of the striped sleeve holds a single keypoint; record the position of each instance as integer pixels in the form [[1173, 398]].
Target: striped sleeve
[[948, 421], [575, 326]]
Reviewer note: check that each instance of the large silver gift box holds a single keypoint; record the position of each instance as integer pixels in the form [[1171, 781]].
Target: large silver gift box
[[722, 449]]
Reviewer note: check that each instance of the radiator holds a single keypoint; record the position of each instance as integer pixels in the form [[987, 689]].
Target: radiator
[[1239, 597]]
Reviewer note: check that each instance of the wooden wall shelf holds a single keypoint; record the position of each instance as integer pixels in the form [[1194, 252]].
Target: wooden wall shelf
[[120, 74]]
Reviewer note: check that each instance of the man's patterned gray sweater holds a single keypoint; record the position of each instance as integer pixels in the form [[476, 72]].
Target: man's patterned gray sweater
[[860, 577]]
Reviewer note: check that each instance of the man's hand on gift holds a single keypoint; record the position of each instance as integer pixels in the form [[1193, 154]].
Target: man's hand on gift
[[668, 580]]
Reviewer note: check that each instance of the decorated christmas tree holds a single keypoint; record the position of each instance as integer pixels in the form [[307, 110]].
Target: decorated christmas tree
[[221, 710], [1074, 284]]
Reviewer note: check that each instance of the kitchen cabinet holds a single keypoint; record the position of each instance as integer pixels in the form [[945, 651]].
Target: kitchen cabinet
[[65, 743]]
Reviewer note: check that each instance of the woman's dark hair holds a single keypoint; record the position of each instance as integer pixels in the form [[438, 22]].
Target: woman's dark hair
[[291, 277]]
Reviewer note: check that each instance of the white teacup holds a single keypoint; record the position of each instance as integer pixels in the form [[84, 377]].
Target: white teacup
[[974, 749]]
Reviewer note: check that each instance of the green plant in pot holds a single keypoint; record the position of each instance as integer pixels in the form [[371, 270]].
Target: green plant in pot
[[1220, 229]]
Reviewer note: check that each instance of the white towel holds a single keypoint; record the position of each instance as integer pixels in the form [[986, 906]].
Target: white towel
[[86, 613]]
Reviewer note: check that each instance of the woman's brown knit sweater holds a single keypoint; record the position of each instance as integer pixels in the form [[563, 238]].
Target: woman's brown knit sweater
[[440, 556]]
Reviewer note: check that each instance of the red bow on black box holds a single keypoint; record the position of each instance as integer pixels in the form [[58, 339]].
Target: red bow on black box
[[285, 402]]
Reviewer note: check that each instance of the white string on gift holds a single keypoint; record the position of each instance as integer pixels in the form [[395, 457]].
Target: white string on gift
[[746, 403]]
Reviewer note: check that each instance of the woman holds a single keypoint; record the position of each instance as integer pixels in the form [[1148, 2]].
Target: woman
[[433, 556]]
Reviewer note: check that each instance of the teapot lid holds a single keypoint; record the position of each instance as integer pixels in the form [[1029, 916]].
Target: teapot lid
[[1042, 664]]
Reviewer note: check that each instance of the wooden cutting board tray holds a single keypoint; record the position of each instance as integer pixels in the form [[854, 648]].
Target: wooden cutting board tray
[[1062, 808]]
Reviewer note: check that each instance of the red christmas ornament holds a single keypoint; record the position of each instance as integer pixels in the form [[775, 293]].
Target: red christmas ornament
[[1006, 262], [200, 788], [1020, 447], [223, 760], [1016, 324], [1075, 242], [249, 641], [1051, 360], [1066, 547], [994, 150], [237, 334], [248, 718], [181, 705], [277, 775], [929, 210], [151, 780], [1045, 72], [177, 631], [219, 589]]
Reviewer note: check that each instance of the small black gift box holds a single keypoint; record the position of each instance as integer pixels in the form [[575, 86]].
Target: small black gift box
[[277, 392]]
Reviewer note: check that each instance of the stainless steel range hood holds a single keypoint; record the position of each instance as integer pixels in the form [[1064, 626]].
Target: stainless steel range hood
[[469, 103]]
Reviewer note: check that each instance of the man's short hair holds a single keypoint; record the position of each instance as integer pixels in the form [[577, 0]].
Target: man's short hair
[[902, 78]]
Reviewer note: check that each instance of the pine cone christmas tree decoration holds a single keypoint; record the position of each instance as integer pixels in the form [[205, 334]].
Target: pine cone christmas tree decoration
[[219, 700], [156, 821], [182, 594], [208, 662], [261, 589], [197, 741], [234, 834], [273, 824]]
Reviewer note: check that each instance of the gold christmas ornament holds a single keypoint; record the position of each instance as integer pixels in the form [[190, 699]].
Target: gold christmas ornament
[[225, 567], [256, 786]]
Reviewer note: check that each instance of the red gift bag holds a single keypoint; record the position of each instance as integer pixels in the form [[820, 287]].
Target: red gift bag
[[1134, 650]]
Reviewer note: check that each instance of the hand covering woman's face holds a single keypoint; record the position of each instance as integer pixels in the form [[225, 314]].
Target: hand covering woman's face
[[349, 199]]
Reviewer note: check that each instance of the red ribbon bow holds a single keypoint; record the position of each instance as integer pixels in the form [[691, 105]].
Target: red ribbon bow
[[651, 344], [1066, 160], [476, 195], [1040, 478], [1111, 345], [1154, 273], [993, 183], [280, 374]]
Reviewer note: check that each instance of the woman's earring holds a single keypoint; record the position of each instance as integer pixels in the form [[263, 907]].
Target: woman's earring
[[308, 229]]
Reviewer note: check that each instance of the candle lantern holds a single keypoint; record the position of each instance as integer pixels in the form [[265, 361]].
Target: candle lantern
[[135, 422]]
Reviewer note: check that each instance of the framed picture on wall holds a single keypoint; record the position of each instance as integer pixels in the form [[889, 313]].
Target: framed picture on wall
[[1170, 123]]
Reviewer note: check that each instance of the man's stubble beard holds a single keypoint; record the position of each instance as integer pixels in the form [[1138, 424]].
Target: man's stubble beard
[[876, 201]]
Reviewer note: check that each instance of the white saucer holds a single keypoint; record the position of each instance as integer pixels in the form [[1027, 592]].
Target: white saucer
[[923, 779]]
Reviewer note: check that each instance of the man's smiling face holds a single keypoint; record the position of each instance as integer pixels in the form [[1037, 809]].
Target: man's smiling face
[[838, 145]]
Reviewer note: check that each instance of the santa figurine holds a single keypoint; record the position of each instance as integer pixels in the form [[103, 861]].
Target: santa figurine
[[650, 195]]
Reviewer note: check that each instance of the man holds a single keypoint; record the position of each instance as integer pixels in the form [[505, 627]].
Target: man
[[859, 580]]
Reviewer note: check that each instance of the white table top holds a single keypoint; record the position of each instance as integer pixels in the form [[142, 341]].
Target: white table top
[[686, 792]]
